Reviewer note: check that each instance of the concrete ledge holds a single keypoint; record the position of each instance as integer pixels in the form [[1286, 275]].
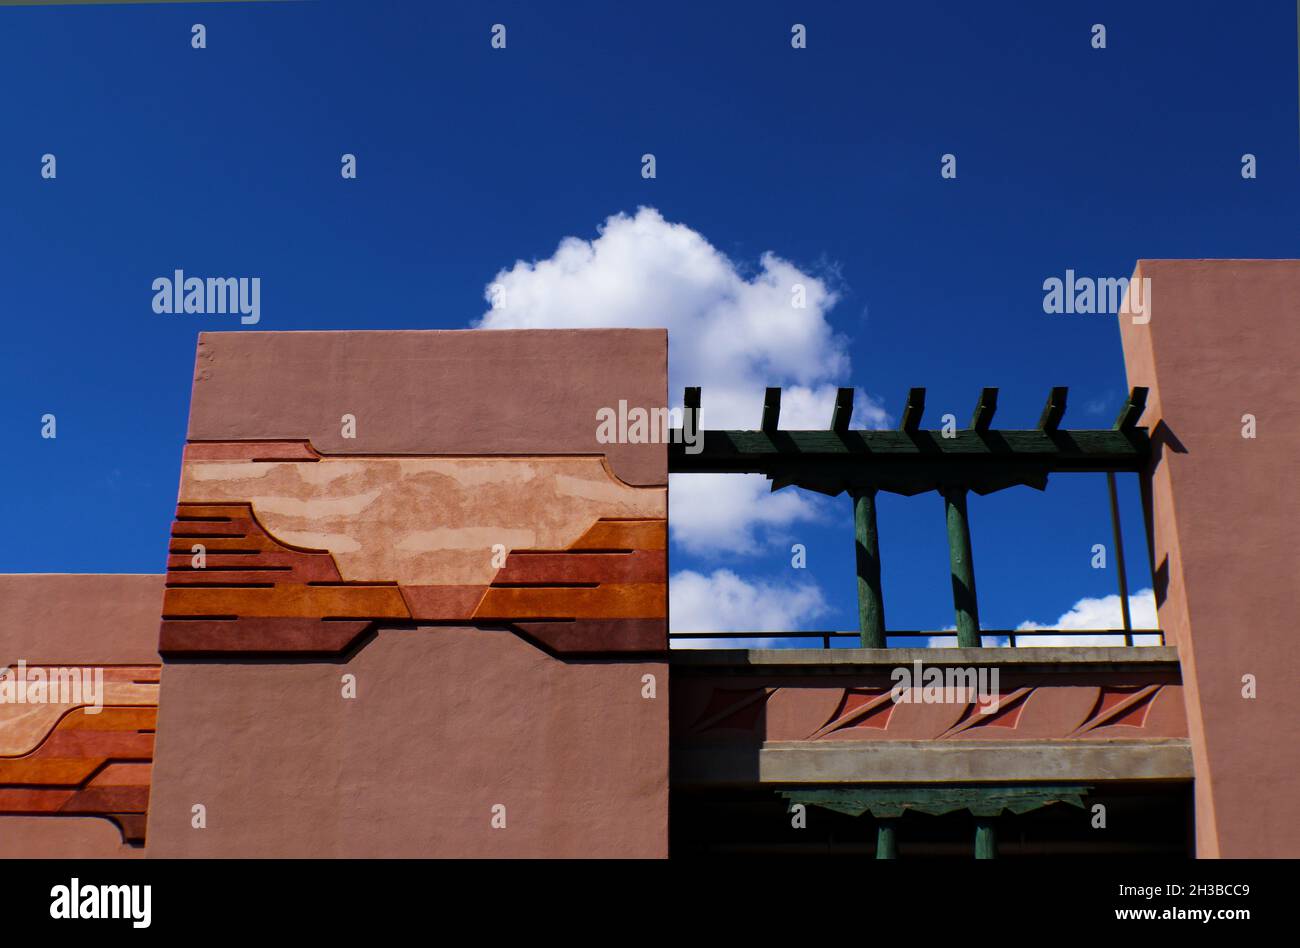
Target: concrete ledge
[[865, 762], [841, 659]]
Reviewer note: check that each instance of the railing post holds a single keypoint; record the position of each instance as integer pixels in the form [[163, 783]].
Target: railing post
[[963, 568], [871, 603]]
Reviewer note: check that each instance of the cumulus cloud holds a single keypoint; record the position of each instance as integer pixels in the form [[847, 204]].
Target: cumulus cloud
[[729, 332], [734, 513], [724, 602], [1087, 615], [1102, 613]]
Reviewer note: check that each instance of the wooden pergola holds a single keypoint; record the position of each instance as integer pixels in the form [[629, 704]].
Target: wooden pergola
[[914, 460]]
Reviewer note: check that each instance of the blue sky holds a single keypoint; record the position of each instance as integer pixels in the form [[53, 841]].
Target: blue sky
[[225, 161]]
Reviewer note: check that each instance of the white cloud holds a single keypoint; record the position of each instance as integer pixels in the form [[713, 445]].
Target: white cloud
[[1104, 613], [724, 602], [734, 513], [728, 333], [1086, 615]]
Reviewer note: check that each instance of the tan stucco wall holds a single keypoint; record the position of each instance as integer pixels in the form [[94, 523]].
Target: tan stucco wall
[[447, 723], [63, 837], [515, 683], [1223, 340], [69, 619], [75, 619], [433, 392]]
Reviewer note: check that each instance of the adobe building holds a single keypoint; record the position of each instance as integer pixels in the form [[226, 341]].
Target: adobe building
[[413, 606]]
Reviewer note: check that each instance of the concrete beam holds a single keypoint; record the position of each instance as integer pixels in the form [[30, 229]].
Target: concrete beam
[[846, 659], [931, 762]]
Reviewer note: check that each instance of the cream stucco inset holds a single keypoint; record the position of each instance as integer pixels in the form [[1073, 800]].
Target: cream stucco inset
[[24, 726], [423, 521]]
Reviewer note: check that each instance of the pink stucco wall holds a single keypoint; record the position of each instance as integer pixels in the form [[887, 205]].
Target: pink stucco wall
[[446, 724], [464, 441], [1223, 341], [74, 620]]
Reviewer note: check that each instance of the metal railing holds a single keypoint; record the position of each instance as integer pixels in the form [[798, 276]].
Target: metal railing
[[1011, 635]]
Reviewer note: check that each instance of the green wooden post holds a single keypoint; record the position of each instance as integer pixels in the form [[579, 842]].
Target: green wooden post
[[963, 568], [986, 839], [871, 604], [886, 841]]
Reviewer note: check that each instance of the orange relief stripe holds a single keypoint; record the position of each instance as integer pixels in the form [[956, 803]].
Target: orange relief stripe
[[108, 800], [624, 535], [276, 565], [639, 566], [111, 719], [289, 600], [55, 771], [613, 601], [83, 743], [257, 541], [123, 774], [33, 801]]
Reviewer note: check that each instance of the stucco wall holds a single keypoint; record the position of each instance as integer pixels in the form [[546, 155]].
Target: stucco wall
[[58, 764], [492, 575], [446, 724], [1223, 341]]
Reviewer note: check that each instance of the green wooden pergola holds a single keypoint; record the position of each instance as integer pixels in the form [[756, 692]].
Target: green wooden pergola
[[985, 803], [913, 460]]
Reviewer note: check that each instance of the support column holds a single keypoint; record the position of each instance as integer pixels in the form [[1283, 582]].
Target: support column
[[871, 604], [986, 839], [963, 568], [886, 841]]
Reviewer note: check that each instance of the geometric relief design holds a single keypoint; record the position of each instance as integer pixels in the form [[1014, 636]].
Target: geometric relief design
[[256, 593], [69, 760], [865, 710], [1126, 705], [604, 591], [1007, 715], [859, 708], [738, 709]]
